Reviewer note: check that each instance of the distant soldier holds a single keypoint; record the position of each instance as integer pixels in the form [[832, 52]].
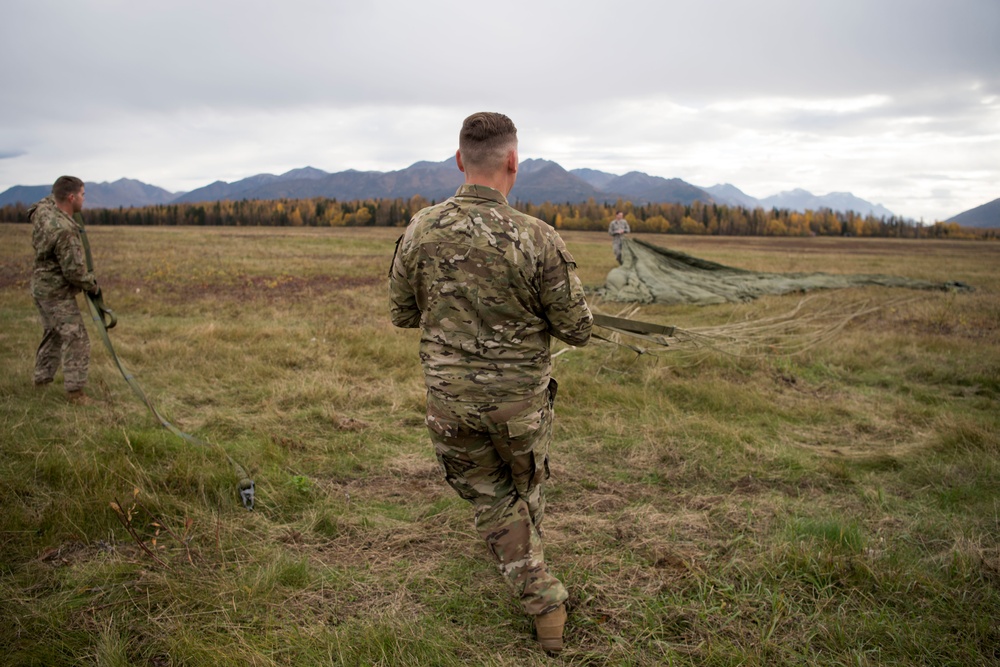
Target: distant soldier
[[618, 228], [60, 273], [489, 286]]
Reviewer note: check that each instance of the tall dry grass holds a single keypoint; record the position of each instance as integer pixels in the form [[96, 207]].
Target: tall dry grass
[[719, 504]]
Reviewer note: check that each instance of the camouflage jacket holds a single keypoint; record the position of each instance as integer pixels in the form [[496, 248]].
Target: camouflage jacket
[[487, 285], [60, 270], [618, 227]]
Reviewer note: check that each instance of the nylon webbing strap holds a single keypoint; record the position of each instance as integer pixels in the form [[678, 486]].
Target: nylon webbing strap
[[632, 326], [98, 312], [98, 299]]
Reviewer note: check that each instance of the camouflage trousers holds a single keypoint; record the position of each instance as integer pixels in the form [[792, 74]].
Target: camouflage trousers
[[495, 455], [616, 246], [64, 341]]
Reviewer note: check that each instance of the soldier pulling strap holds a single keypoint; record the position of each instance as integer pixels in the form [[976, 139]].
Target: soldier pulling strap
[[98, 311]]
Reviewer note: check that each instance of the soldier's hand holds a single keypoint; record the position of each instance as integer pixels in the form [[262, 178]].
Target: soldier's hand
[[95, 292]]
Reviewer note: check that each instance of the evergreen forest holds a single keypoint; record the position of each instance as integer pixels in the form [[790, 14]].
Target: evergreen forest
[[669, 218]]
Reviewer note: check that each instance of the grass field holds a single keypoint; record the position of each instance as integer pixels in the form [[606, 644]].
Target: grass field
[[730, 504]]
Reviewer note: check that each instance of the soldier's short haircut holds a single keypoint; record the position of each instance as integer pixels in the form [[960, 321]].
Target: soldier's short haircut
[[485, 140], [66, 186]]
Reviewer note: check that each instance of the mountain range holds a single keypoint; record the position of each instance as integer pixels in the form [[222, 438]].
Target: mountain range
[[987, 215], [538, 181], [123, 192]]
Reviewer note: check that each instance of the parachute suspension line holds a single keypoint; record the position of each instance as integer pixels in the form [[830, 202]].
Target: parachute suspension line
[[809, 324], [98, 312]]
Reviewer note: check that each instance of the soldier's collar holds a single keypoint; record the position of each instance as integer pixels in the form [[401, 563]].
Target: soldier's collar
[[481, 192]]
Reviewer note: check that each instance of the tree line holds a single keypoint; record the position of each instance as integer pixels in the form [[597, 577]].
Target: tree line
[[666, 218]]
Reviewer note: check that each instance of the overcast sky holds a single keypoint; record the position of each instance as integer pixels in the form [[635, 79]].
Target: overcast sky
[[896, 101]]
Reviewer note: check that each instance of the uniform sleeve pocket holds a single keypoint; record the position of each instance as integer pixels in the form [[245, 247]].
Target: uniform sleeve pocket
[[567, 257]]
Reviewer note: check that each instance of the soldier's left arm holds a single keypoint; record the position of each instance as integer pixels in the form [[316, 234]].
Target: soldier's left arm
[[563, 300]]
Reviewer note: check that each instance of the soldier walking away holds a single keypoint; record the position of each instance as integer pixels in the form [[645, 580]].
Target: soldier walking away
[[618, 228], [60, 273], [488, 286]]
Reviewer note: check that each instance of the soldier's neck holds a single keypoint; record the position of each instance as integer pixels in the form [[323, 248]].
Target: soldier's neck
[[66, 207]]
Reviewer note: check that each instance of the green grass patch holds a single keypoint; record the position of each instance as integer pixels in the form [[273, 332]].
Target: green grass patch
[[790, 499]]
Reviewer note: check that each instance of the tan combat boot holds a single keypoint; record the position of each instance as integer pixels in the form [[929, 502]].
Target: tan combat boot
[[79, 398], [549, 629]]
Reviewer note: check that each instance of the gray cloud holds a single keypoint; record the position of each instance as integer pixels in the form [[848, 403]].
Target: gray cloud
[[770, 95]]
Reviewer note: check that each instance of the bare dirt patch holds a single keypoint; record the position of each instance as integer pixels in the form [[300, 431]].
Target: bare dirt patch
[[15, 276]]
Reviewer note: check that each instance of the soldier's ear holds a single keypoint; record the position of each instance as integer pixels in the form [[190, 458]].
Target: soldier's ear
[[512, 161], [458, 161]]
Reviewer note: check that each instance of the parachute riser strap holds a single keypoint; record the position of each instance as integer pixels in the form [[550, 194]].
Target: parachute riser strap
[[246, 485], [632, 326], [98, 312], [648, 331], [98, 299]]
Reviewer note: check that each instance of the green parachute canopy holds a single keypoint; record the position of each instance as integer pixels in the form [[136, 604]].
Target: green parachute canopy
[[651, 274]]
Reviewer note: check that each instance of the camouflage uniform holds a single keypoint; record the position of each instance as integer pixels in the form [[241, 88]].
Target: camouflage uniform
[[60, 273], [618, 228], [488, 286]]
